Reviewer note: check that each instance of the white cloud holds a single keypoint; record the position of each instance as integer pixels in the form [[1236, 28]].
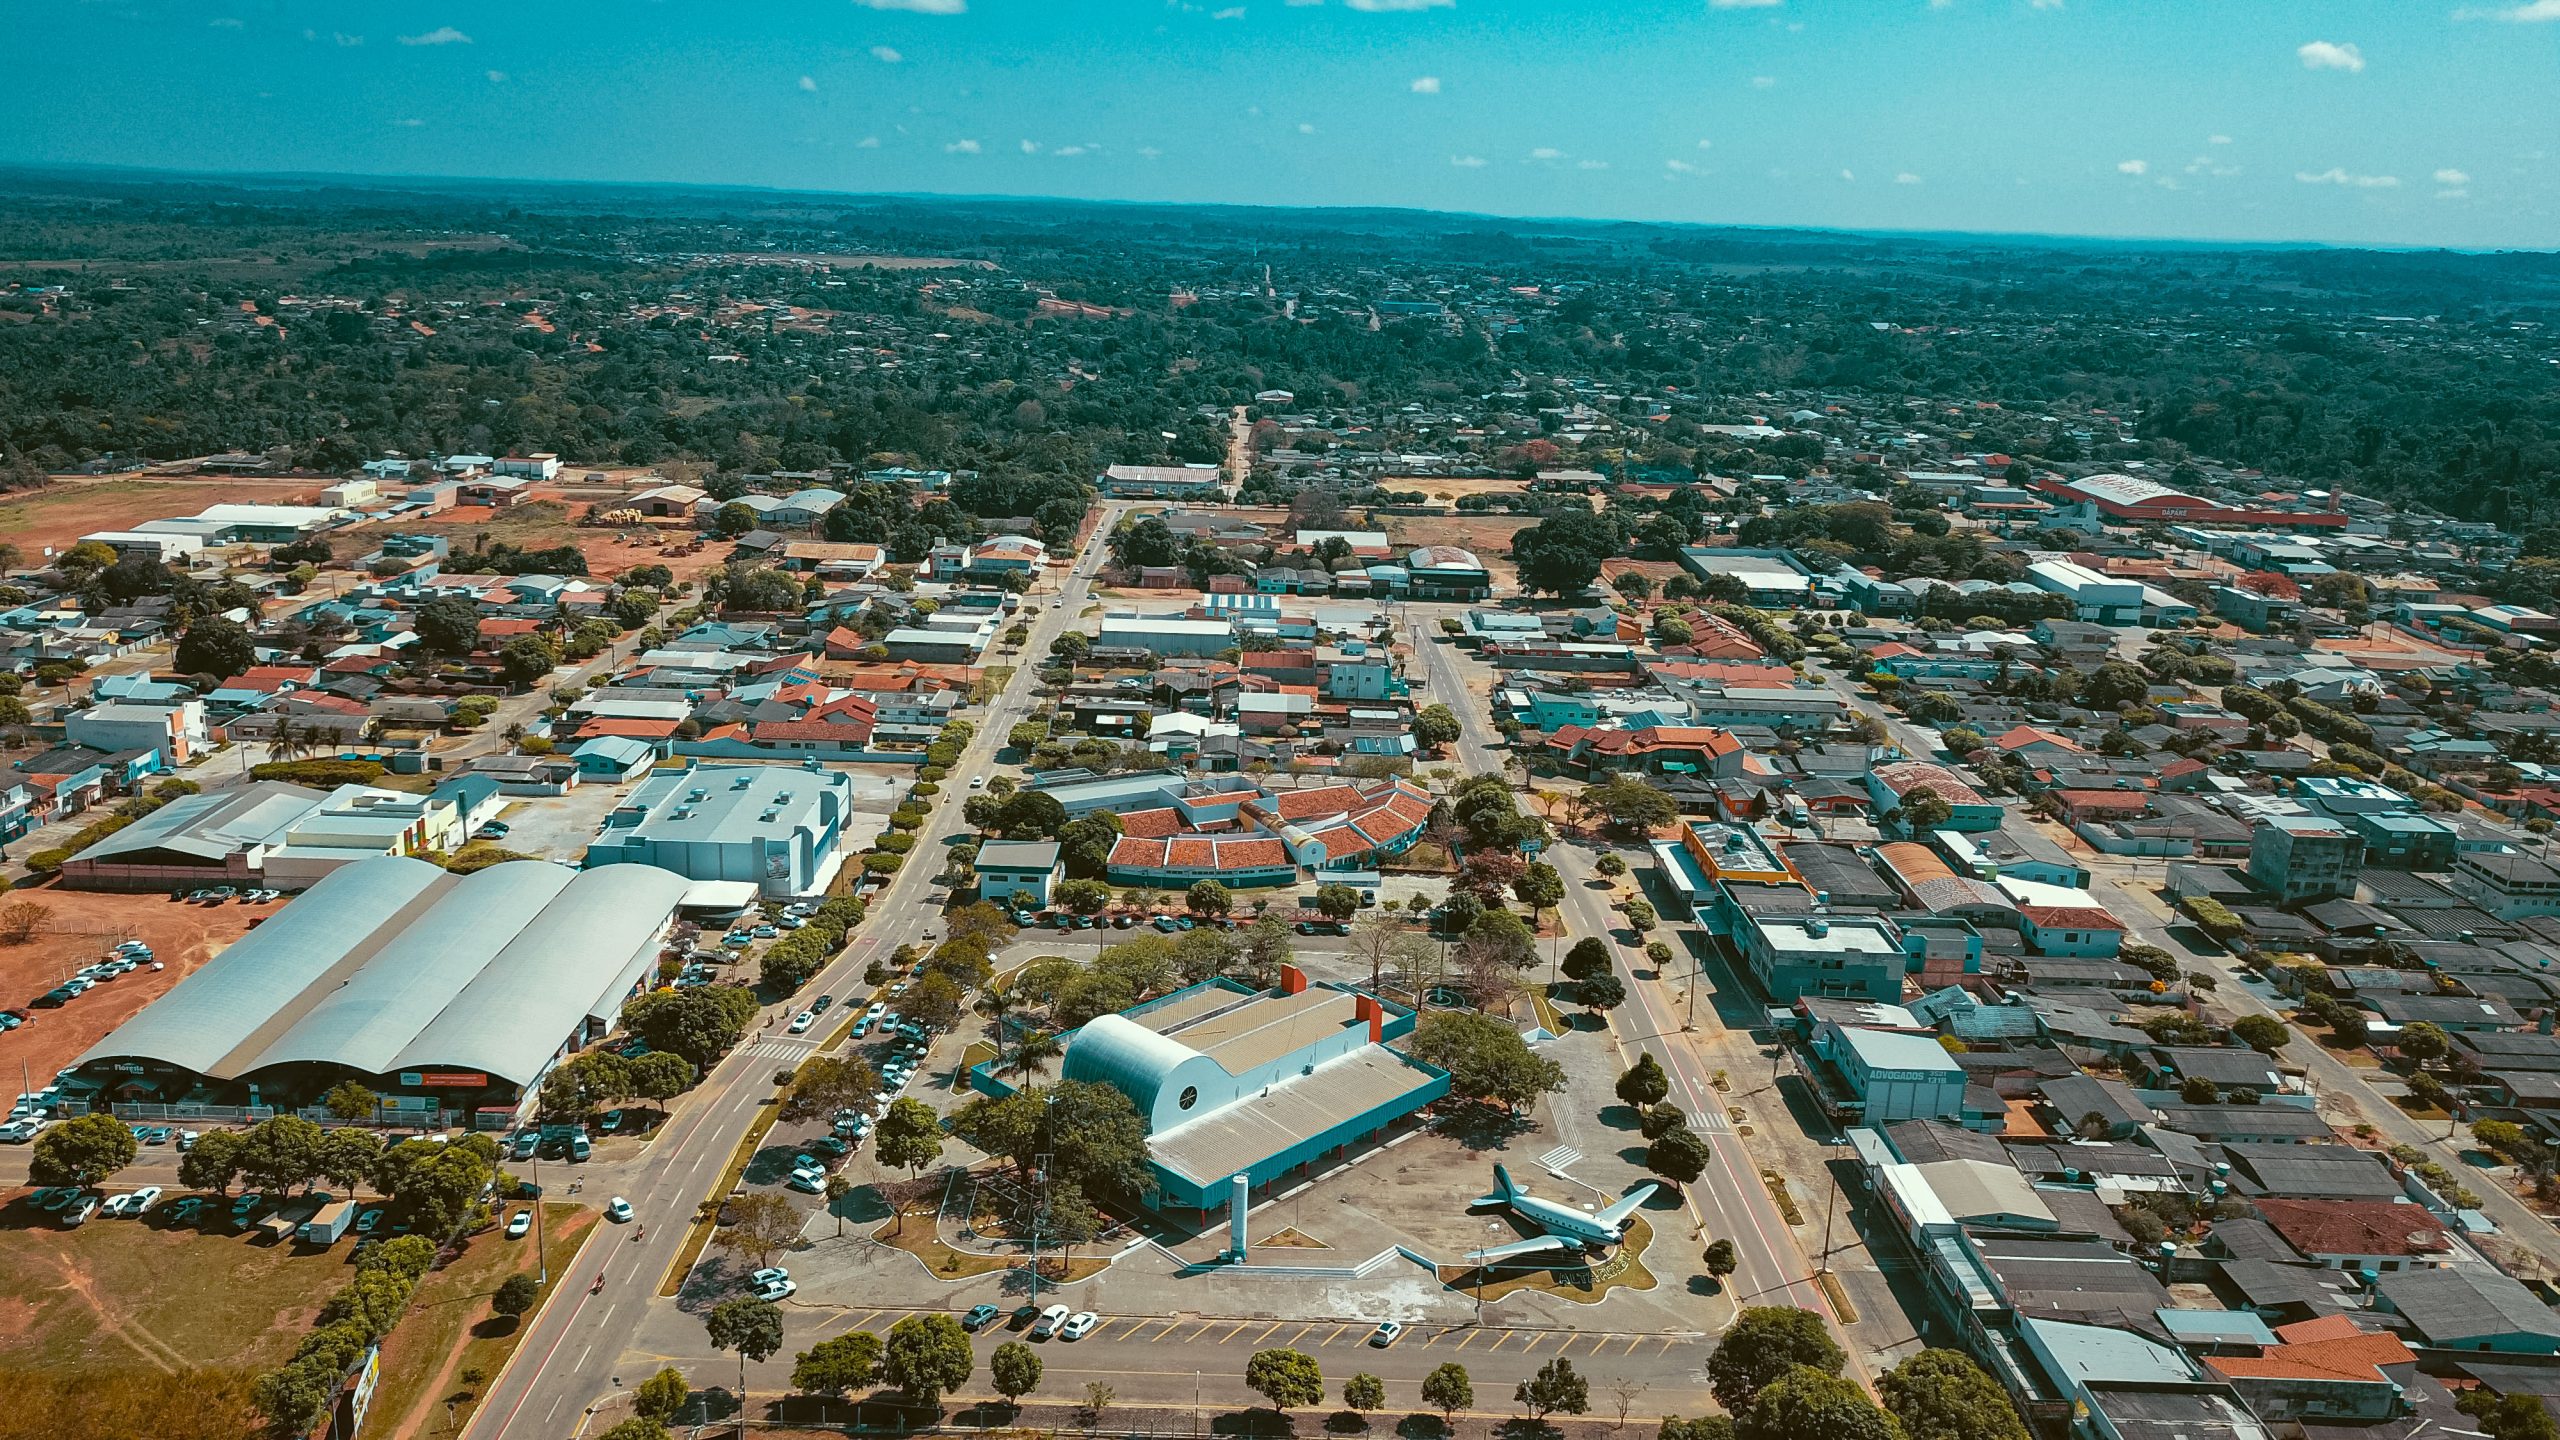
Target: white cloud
[[227, 22], [1741, 4], [497, 77], [1030, 147], [1069, 150], [1679, 167], [1467, 162], [2336, 175], [2217, 139], [1848, 174], [2330, 55], [1546, 152], [2133, 167], [1306, 127], [1381, 6], [1150, 152], [1706, 144], [441, 35], [885, 55], [808, 83], [2456, 194], [1906, 178], [2044, 4], [920, 7], [867, 142], [345, 40], [1763, 82], [961, 147], [2452, 177], [1590, 164], [2532, 12], [1232, 12], [1426, 85], [409, 124]]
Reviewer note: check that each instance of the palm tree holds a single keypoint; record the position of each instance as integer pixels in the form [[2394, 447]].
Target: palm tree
[[1033, 1054], [1000, 1002]]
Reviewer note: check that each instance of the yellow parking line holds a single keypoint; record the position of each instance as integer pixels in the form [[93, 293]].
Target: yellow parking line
[[1500, 1340], [1299, 1335], [1267, 1334], [1470, 1339], [1205, 1327], [1230, 1335], [1632, 1342], [1170, 1327], [1667, 1343]]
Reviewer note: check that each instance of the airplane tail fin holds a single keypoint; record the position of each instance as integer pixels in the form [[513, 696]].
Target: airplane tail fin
[[1504, 1191]]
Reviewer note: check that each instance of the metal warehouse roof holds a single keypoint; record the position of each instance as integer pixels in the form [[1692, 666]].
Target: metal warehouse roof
[[393, 964]]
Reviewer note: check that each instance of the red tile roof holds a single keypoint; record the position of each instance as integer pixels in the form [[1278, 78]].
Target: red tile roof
[[2354, 1227], [1151, 824], [2354, 1356], [1912, 775], [2069, 917]]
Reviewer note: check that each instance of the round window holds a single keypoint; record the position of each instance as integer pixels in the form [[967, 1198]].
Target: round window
[[1190, 1097]]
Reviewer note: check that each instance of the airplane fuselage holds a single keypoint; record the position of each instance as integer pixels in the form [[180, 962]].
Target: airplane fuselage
[[1559, 1219]]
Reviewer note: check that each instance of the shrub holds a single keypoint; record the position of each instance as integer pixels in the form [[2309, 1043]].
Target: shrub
[[896, 844], [2215, 917], [933, 774], [320, 774]]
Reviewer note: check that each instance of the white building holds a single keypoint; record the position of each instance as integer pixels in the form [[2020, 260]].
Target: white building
[[2094, 598]]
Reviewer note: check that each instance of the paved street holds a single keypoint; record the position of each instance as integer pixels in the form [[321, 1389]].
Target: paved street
[[573, 1353]]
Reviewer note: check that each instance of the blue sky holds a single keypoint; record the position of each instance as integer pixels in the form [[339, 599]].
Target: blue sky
[[2406, 122]]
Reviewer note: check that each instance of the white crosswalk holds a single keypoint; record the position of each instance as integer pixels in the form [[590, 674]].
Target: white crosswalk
[[1555, 1161], [782, 1049]]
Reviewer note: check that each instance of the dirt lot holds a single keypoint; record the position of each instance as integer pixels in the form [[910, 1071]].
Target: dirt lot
[[1488, 536], [1453, 490], [545, 523], [61, 513], [78, 929]]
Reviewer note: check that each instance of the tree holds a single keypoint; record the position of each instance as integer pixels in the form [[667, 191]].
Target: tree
[[928, 1357], [1601, 993], [1679, 1156], [1556, 1387], [662, 1395], [348, 1100], [1924, 811], [1561, 555], [761, 1226], [214, 1162], [638, 1427], [749, 1326], [1943, 1395], [217, 647], [1588, 956], [2114, 685], [1486, 1059], [1448, 1390], [81, 1151], [1208, 897], [837, 1366], [1364, 1392], [1539, 887], [824, 1084], [1630, 804], [1435, 726], [1337, 902], [2422, 1041], [1611, 865], [1014, 1369], [701, 1023], [837, 1188], [1031, 815], [517, 1294], [1286, 1378], [909, 1139], [449, 625], [1088, 897], [1764, 1342], [347, 1156], [1644, 1085], [1500, 938], [1810, 1404], [1722, 1259], [2263, 1033], [526, 659], [22, 920]]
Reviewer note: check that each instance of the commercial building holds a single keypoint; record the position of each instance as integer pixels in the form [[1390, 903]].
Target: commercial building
[[1163, 482], [2095, 599], [1889, 1075], [1447, 572], [2300, 858], [1771, 577], [1165, 634], [265, 833], [1888, 785], [2508, 885], [1250, 838], [1007, 868], [1839, 957], [1248, 1088], [780, 827], [2471, 1307], [442, 993], [176, 730]]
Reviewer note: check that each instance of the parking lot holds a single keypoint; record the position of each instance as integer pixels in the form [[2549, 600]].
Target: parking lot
[[79, 928], [558, 827]]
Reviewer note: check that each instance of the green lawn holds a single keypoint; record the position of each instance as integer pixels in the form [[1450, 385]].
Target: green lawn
[[451, 1312], [113, 1291]]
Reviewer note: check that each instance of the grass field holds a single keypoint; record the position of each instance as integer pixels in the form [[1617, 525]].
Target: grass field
[[114, 1292], [62, 512], [449, 1331]]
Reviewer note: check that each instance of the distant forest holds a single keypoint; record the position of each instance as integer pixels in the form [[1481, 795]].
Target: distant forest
[[647, 326]]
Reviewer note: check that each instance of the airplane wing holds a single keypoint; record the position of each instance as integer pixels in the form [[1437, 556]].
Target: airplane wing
[[1617, 1214], [1531, 1246]]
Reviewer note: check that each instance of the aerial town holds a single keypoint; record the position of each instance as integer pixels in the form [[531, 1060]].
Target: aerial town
[[1505, 899]]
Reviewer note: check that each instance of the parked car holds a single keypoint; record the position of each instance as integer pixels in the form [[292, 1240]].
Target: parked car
[[1049, 1321], [808, 1181], [1079, 1325], [979, 1318], [1386, 1334], [519, 1223], [609, 1122], [369, 1221], [781, 1289]]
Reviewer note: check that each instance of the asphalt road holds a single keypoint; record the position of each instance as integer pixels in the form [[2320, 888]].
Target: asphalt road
[[1729, 1201], [571, 1356]]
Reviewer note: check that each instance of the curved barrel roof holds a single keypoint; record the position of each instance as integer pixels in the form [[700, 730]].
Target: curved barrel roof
[[1119, 1052]]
